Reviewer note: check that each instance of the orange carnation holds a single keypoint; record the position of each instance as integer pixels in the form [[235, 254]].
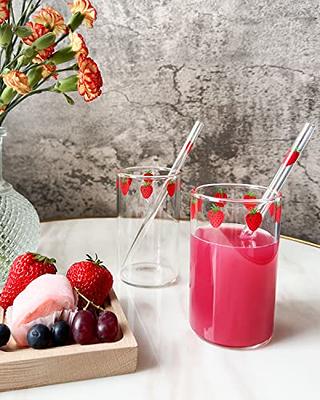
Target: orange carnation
[[49, 69], [78, 45], [90, 80], [85, 8], [51, 19], [38, 30], [4, 11], [17, 81]]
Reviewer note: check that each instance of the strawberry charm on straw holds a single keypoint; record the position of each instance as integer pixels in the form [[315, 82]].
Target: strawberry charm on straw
[[146, 190], [253, 219], [171, 188], [220, 194], [215, 216], [249, 196]]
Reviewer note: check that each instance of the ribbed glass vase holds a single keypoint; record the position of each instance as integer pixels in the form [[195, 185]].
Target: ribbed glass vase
[[19, 222]]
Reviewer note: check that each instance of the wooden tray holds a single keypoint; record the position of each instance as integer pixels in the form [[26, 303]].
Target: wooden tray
[[26, 368]]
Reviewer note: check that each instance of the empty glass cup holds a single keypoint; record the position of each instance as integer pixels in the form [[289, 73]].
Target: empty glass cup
[[150, 262]]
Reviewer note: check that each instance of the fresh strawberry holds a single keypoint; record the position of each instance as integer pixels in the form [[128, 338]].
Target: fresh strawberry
[[249, 196], [275, 211], [293, 158], [146, 190], [220, 194], [24, 269], [171, 188], [125, 184], [253, 219], [148, 173], [91, 279], [215, 216]]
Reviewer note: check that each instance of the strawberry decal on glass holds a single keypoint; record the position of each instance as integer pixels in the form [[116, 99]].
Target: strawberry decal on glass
[[254, 219], [215, 216], [249, 196], [125, 184], [275, 211], [220, 194], [148, 173], [146, 190], [293, 158], [171, 188]]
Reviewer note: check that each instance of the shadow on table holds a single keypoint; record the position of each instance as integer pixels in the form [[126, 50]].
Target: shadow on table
[[296, 318]]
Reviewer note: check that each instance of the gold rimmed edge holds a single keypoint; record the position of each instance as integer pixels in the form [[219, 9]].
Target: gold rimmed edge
[[317, 246]]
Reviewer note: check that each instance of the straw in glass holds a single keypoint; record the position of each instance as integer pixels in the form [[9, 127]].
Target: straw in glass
[[283, 172], [157, 202]]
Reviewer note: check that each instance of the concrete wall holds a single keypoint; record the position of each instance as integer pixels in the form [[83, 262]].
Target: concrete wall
[[248, 69]]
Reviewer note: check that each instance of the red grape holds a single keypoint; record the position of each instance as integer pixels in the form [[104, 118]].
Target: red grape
[[108, 327], [84, 326]]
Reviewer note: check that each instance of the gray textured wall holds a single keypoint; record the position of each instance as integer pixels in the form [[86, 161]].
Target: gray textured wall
[[248, 69]]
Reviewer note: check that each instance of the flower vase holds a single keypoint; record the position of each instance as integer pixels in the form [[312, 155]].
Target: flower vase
[[19, 222]]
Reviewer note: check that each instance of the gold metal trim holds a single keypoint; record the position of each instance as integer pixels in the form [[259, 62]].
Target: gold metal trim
[[317, 246]]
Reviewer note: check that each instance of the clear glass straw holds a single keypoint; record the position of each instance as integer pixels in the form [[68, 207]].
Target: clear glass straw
[[157, 202], [283, 172]]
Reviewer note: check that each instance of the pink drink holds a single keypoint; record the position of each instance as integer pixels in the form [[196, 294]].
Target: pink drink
[[232, 286]]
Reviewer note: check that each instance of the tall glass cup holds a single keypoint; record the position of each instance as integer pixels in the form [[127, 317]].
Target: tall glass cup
[[233, 276], [150, 263]]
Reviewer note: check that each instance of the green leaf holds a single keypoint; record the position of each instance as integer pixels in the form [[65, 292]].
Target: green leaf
[[23, 31], [69, 99]]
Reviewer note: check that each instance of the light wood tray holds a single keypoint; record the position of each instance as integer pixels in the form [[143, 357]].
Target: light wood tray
[[25, 368]]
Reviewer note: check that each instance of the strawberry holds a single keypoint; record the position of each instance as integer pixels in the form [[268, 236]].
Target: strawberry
[[215, 216], [24, 269], [148, 173], [253, 219], [275, 211], [220, 194], [293, 158], [146, 190], [249, 196], [193, 208], [125, 185], [91, 279], [171, 188]]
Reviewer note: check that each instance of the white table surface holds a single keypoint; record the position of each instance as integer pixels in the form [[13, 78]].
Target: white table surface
[[173, 362]]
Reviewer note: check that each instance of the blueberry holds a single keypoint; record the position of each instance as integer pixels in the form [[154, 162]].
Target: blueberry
[[39, 336], [4, 334], [60, 333]]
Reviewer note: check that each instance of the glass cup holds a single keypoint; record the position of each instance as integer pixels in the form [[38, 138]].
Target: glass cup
[[150, 263], [232, 273]]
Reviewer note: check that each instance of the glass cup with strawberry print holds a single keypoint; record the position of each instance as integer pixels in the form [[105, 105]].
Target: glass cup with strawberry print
[[150, 263], [232, 274]]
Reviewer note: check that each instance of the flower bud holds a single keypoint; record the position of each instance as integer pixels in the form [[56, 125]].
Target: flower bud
[[44, 41], [34, 76], [7, 95], [69, 84], [75, 21], [5, 35], [63, 55], [23, 31], [28, 54]]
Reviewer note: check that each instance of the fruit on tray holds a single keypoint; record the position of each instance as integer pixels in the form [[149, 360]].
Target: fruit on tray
[[91, 279], [24, 270], [84, 327], [60, 333], [4, 334], [47, 298], [39, 337], [107, 327]]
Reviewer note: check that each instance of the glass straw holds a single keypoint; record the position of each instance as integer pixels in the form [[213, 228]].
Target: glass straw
[[157, 202], [283, 172]]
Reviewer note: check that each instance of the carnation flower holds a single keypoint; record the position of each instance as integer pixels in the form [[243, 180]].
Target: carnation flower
[[78, 45], [51, 19], [38, 31], [90, 80], [86, 9], [17, 81], [49, 69], [4, 11]]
